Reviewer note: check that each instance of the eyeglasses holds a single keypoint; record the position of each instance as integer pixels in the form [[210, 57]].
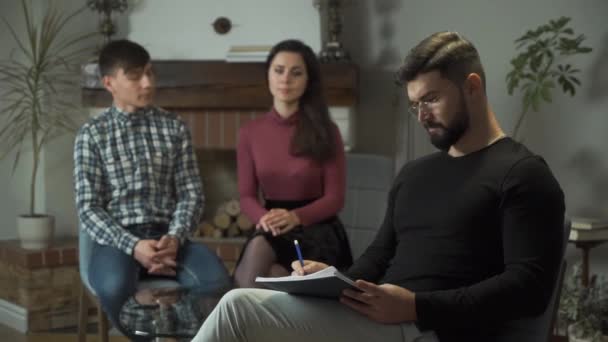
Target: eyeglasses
[[427, 105]]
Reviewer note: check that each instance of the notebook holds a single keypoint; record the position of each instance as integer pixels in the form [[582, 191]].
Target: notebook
[[327, 283]]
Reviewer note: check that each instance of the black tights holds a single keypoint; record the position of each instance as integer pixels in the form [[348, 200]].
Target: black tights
[[258, 260]]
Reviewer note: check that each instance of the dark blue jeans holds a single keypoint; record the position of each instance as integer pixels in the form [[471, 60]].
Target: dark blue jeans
[[114, 275]]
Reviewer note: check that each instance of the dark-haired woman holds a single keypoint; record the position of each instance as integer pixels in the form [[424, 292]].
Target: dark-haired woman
[[294, 157]]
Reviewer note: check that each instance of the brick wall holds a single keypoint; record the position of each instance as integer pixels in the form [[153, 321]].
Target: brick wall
[[216, 129], [44, 282]]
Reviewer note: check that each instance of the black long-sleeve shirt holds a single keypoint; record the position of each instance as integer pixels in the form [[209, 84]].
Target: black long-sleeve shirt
[[478, 238]]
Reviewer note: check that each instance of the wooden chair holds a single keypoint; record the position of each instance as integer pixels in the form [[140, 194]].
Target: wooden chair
[[88, 299]]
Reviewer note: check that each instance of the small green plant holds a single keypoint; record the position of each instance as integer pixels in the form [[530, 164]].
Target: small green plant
[[541, 65], [584, 310], [36, 82]]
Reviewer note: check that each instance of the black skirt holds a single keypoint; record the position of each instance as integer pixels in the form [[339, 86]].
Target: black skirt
[[325, 241]]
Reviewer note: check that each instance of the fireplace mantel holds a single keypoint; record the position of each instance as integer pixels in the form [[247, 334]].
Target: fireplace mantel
[[218, 85]]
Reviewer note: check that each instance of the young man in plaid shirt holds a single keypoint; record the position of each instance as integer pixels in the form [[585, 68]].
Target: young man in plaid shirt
[[138, 188]]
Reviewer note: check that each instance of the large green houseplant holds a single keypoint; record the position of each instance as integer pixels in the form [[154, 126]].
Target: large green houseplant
[[542, 65], [36, 83]]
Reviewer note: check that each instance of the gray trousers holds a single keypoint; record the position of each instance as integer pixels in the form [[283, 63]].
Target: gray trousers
[[267, 316]]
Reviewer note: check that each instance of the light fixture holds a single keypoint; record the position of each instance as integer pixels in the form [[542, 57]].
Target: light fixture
[[105, 9], [332, 51]]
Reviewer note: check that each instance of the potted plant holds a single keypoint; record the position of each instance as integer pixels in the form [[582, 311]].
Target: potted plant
[[542, 65], [584, 310], [36, 82]]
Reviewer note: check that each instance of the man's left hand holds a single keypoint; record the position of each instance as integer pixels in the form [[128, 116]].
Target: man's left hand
[[166, 256], [384, 303]]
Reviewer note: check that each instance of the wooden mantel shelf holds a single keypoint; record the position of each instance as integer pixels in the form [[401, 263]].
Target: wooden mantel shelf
[[221, 85]]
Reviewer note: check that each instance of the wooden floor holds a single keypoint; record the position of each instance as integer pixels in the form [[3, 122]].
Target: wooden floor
[[9, 335]]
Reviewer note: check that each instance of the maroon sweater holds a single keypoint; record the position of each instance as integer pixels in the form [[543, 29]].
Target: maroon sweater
[[264, 163]]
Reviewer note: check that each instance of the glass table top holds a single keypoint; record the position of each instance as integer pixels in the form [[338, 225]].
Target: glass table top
[[167, 312]]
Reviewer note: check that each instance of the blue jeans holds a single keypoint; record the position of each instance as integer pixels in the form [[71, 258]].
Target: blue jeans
[[114, 275]]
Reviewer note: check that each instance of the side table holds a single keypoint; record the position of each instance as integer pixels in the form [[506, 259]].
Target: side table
[[585, 240]]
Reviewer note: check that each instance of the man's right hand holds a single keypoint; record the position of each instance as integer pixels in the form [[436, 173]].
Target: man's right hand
[[310, 266], [264, 224], [145, 252]]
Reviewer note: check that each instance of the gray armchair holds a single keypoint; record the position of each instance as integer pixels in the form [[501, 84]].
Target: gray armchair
[[368, 181], [539, 328]]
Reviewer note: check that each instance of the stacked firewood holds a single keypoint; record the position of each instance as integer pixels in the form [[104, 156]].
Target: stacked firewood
[[228, 221]]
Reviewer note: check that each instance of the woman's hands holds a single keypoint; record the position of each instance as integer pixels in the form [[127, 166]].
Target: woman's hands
[[278, 221]]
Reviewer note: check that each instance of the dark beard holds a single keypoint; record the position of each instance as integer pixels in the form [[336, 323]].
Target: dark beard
[[454, 132], [451, 134]]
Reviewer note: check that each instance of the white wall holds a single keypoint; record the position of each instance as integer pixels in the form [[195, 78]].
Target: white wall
[[8, 204], [59, 194], [571, 133], [54, 183], [14, 198], [182, 29]]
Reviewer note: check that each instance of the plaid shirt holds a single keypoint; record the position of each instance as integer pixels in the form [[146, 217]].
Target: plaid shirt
[[133, 170]]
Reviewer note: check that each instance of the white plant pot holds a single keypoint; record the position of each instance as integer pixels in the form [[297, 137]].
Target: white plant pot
[[35, 232]]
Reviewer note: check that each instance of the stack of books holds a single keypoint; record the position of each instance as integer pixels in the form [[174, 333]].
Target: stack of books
[[589, 229], [248, 53]]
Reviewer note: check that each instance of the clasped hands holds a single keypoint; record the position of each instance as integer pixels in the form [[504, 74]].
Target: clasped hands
[[278, 221], [158, 256], [386, 303]]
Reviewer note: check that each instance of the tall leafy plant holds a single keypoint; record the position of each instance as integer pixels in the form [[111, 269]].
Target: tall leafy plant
[[37, 81], [542, 65]]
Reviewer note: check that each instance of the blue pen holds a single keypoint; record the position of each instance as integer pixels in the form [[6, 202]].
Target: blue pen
[[295, 242]]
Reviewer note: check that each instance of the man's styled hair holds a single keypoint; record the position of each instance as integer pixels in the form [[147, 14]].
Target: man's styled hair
[[448, 52], [123, 54]]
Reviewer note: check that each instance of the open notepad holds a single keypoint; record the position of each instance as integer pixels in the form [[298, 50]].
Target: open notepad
[[325, 283]]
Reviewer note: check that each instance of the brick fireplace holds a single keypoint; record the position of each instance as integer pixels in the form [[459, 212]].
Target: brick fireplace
[[215, 98]]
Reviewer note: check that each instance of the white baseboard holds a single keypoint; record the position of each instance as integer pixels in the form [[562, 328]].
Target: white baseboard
[[13, 316]]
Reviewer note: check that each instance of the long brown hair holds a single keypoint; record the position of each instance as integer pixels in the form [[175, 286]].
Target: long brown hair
[[315, 134]]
